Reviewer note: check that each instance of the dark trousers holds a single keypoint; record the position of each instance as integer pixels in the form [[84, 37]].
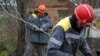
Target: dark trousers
[[34, 50]]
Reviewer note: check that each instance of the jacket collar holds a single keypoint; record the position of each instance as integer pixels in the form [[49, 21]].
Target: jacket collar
[[74, 23]]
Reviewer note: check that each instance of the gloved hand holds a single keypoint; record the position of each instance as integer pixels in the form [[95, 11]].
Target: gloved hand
[[39, 29]]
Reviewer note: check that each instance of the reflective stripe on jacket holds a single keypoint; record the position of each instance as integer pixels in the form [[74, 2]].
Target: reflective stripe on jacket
[[41, 22], [65, 41]]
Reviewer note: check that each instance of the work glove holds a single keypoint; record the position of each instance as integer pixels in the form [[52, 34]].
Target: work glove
[[39, 29]]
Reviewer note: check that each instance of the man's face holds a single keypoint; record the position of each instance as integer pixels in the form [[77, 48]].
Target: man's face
[[41, 14], [84, 25]]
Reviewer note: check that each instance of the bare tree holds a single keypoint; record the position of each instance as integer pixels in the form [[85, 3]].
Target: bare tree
[[21, 5]]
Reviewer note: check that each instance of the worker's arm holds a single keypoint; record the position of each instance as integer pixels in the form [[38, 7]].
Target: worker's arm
[[55, 43], [31, 24], [48, 24], [85, 48]]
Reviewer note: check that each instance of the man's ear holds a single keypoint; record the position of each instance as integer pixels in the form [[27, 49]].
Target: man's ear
[[78, 23]]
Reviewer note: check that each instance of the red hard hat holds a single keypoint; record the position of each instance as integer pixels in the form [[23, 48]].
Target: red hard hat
[[84, 13], [42, 9]]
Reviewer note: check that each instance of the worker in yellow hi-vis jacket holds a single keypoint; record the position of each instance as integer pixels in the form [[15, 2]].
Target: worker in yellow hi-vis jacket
[[68, 34], [37, 39]]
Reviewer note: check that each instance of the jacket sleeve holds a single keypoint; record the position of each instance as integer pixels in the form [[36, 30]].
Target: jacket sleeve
[[30, 23], [85, 48], [48, 24], [55, 43]]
